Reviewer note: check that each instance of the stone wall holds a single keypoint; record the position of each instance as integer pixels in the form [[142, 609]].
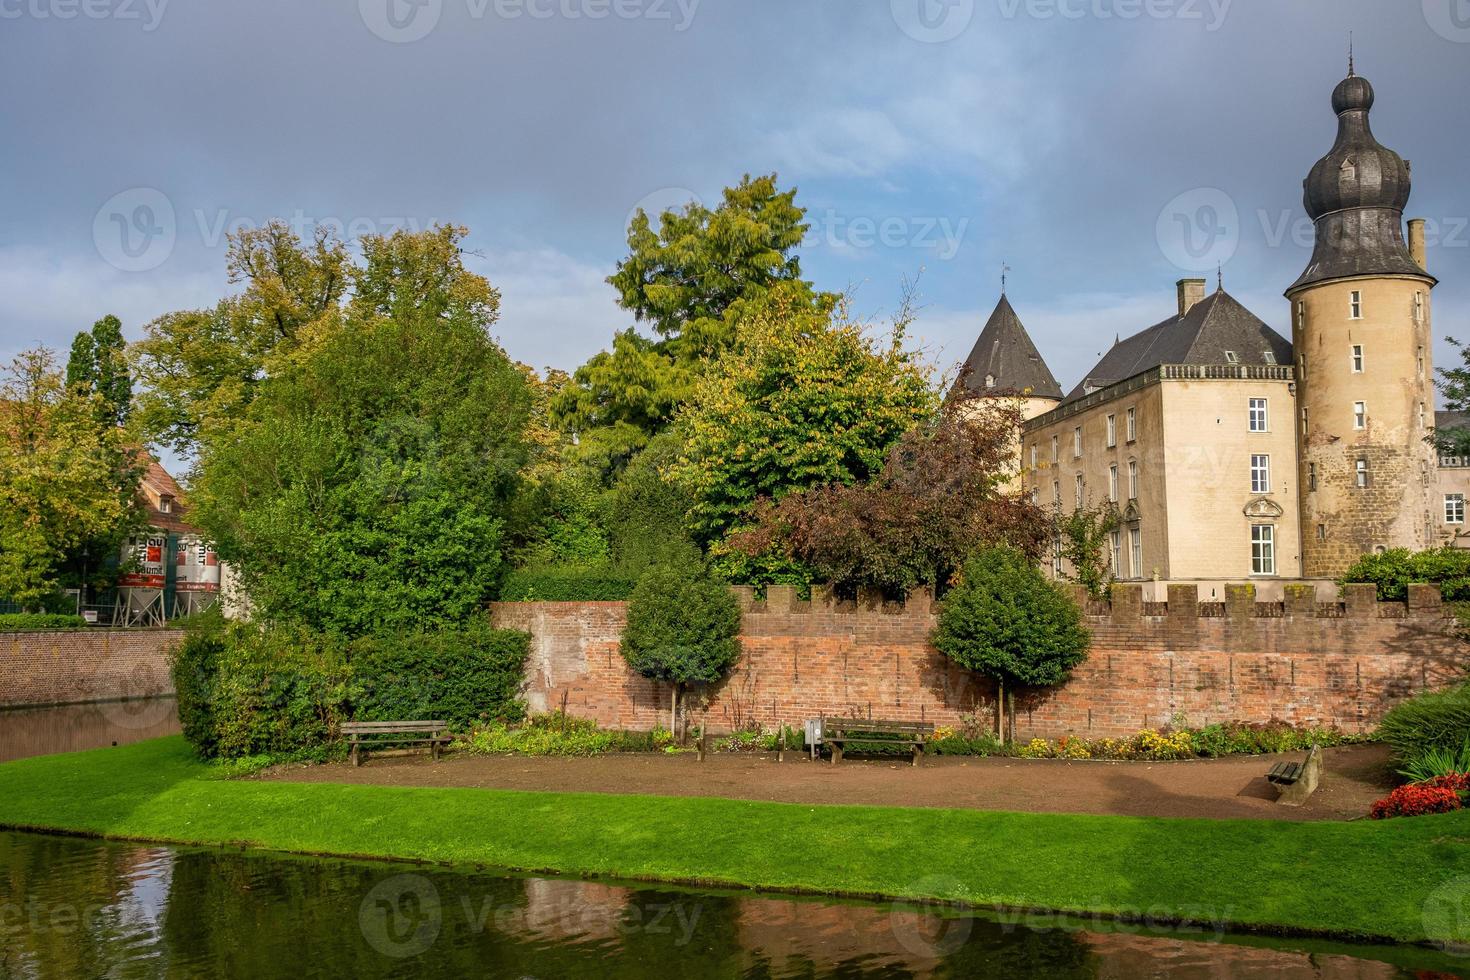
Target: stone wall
[[67, 667], [1340, 664]]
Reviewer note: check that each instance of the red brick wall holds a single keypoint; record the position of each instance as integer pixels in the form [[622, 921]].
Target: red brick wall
[[85, 665], [1335, 664]]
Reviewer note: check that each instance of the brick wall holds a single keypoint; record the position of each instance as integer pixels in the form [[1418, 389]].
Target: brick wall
[[89, 665], [1339, 664]]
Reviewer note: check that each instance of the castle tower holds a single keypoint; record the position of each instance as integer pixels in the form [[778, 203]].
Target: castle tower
[[1006, 364], [1361, 337]]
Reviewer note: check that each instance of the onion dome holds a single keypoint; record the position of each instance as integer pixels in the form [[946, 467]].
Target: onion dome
[[1356, 195]]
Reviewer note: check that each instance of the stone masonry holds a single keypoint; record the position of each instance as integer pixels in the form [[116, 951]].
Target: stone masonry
[[67, 667], [1340, 664]]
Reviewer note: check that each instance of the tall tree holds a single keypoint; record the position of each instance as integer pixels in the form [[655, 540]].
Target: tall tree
[[804, 399], [202, 367], [59, 480], [365, 485], [99, 365]]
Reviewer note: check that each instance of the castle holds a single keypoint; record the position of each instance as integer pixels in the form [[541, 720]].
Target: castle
[[1232, 454]]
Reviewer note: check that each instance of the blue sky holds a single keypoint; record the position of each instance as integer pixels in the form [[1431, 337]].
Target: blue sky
[[1077, 141]]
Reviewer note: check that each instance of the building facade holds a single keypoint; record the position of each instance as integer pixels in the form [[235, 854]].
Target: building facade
[[1231, 453]]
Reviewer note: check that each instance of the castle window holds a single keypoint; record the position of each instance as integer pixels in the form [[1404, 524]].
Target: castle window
[[1311, 476], [1454, 508], [1361, 475], [1260, 473], [1053, 449], [1301, 313], [1355, 305], [1117, 543], [1132, 424], [1421, 362], [1421, 415], [1263, 549], [1135, 548], [1112, 431], [1113, 483], [1357, 358], [1360, 415], [1321, 532], [1079, 491], [1258, 417], [1035, 496], [1056, 492], [1418, 307], [1305, 427], [1133, 479], [1077, 441], [1056, 556], [1035, 453]]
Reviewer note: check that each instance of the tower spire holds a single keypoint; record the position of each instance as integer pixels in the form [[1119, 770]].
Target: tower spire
[[1352, 69], [1003, 270]]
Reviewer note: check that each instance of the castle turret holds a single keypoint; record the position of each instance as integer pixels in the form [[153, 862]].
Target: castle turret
[[1361, 336]]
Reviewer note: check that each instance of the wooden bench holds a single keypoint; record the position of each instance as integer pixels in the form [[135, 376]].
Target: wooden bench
[[839, 731], [365, 736], [1295, 781]]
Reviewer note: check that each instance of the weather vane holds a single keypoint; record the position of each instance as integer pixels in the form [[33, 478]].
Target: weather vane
[[1352, 69], [1003, 270]]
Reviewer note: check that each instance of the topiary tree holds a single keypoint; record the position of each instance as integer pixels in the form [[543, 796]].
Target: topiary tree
[[683, 628], [1006, 621]]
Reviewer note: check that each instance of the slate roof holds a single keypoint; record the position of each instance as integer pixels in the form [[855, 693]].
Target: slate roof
[[1216, 324], [1005, 354]]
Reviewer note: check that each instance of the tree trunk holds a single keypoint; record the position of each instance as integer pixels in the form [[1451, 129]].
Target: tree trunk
[[674, 709], [1011, 716], [1000, 700]]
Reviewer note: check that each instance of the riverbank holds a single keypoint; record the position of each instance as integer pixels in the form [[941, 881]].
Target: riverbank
[[1364, 880]]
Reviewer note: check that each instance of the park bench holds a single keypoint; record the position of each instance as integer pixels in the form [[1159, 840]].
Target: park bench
[[365, 736], [1295, 781], [837, 732]]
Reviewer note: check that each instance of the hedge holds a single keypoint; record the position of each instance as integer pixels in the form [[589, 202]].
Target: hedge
[[567, 584], [244, 690], [21, 622], [1393, 571]]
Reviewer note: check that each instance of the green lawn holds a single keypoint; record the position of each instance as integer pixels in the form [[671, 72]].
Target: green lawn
[[1361, 880]]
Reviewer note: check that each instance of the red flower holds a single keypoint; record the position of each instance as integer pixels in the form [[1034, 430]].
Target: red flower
[[1415, 800]]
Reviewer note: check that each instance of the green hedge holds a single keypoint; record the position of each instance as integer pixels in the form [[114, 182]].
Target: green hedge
[[1393, 571], [567, 584], [248, 691], [20, 622], [1435, 720]]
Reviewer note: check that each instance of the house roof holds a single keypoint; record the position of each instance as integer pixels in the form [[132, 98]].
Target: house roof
[[1005, 357], [1216, 324], [156, 486]]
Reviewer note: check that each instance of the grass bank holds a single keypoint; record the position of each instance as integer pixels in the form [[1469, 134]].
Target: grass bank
[[1362, 880]]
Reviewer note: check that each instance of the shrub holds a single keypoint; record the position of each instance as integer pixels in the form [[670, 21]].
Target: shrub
[[194, 664], [1394, 570], [1437, 762], [683, 627], [1416, 800], [1436, 720], [1238, 739], [278, 691], [563, 583], [460, 676], [1005, 620], [20, 622], [559, 734]]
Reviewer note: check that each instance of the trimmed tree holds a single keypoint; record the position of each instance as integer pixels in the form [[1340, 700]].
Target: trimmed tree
[[683, 628], [1006, 621]]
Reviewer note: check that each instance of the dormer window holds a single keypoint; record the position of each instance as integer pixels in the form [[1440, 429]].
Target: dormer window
[[1269, 357], [1349, 170], [1231, 357], [990, 381], [165, 504]]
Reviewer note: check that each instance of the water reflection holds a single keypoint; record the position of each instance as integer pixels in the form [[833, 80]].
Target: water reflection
[[25, 732], [75, 908]]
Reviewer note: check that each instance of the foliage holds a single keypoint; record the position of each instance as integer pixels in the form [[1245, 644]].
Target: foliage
[[569, 527], [1378, 876], [702, 270], [246, 690], [464, 676], [364, 487], [803, 400], [940, 493], [1394, 570], [200, 369], [1083, 536], [645, 511], [21, 622], [1434, 720], [1238, 739], [683, 626], [1416, 800], [1005, 620], [99, 366], [567, 584], [558, 734], [60, 475], [1437, 761]]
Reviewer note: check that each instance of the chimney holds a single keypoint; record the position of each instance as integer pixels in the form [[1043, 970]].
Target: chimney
[[1191, 291], [1416, 243]]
